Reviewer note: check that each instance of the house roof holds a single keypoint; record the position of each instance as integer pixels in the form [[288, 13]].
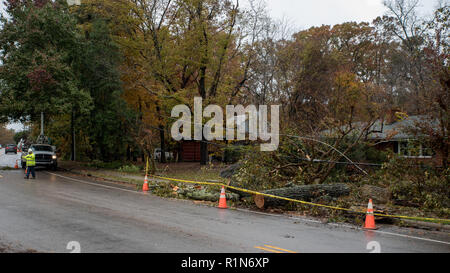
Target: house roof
[[401, 129]]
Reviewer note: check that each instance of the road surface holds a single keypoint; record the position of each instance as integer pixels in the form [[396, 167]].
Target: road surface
[[56, 209], [9, 160]]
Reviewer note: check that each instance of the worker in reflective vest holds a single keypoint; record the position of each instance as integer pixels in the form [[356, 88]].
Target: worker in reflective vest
[[31, 163]]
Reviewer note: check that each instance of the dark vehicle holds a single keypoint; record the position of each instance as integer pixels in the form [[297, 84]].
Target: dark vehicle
[[11, 148], [45, 156]]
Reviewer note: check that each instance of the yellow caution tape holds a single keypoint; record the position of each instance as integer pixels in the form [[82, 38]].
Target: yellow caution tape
[[446, 221]]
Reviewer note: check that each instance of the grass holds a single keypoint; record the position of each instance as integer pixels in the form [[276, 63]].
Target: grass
[[127, 172], [187, 171], [191, 171]]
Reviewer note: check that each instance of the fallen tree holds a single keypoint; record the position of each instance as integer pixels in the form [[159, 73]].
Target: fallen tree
[[228, 173], [303, 193], [230, 170], [204, 195]]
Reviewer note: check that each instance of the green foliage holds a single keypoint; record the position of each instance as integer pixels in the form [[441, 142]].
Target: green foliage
[[39, 44], [234, 153], [130, 169], [114, 165], [100, 76], [416, 185], [413, 185], [263, 170], [49, 66], [301, 162], [364, 152]]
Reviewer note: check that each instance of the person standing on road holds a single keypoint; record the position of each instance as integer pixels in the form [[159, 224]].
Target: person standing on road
[[31, 163]]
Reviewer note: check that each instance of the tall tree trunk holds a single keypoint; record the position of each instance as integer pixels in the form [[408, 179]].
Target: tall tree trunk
[[203, 144], [133, 155], [203, 153], [161, 135], [163, 144], [128, 153]]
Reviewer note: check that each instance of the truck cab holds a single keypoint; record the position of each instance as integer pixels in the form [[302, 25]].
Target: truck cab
[[45, 156]]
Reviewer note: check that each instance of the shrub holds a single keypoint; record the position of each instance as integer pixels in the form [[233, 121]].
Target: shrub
[[416, 185], [130, 169], [234, 153], [104, 165]]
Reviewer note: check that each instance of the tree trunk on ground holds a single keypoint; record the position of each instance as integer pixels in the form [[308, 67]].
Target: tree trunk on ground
[[303, 193], [231, 182], [204, 195]]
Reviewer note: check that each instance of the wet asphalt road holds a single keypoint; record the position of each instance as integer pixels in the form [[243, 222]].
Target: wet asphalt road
[[9, 160], [47, 213]]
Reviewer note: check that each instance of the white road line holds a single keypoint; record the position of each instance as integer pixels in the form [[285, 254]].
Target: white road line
[[348, 226], [412, 237], [268, 214], [95, 184]]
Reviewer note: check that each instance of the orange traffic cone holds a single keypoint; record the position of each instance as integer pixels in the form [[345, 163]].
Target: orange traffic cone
[[370, 218], [16, 166], [223, 199], [145, 186]]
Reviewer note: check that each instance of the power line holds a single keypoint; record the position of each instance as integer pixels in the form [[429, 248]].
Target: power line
[[350, 162], [286, 135]]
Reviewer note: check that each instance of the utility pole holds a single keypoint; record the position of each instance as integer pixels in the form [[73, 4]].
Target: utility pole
[[42, 123], [41, 138]]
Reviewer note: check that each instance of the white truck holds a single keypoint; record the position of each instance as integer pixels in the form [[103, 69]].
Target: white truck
[[45, 156]]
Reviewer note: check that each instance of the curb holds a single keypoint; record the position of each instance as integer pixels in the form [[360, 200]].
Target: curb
[[425, 225], [101, 177]]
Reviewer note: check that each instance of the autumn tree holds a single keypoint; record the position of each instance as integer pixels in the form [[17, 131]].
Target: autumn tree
[[6, 135], [39, 44], [405, 72], [180, 49], [99, 74], [436, 126]]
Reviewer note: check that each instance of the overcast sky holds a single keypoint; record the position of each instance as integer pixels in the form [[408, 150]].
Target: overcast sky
[[307, 13]]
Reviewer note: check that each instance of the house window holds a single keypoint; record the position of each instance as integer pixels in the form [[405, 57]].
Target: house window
[[414, 149]]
